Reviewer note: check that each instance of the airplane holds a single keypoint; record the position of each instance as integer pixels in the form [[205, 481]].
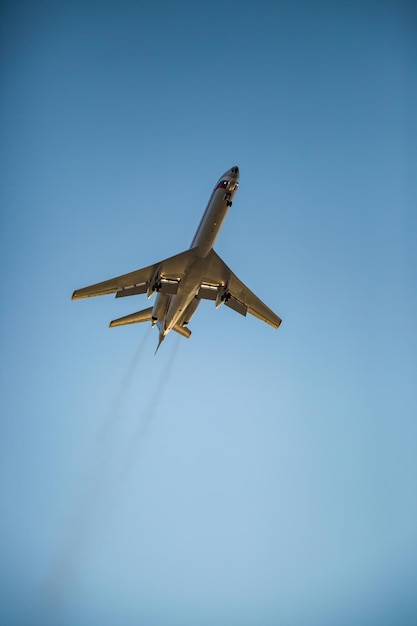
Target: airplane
[[182, 281]]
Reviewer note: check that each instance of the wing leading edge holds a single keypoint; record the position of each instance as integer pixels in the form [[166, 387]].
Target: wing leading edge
[[219, 284], [170, 271]]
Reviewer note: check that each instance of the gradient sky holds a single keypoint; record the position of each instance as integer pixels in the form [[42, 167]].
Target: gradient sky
[[246, 476]]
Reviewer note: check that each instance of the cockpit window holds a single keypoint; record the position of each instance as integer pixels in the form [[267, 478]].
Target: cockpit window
[[222, 184]]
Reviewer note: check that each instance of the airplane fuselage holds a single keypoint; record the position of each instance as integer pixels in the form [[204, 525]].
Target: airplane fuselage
[[180, 282], [170, 311]]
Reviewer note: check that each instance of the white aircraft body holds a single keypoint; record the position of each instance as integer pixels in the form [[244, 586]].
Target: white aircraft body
[[182, 281]]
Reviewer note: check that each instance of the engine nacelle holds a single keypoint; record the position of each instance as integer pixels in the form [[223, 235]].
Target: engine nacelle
[[159, 308]]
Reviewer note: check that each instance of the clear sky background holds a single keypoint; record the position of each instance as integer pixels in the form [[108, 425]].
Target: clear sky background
[[247, 476]]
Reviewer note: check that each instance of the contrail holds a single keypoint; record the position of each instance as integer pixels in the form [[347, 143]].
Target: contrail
[[146, 416], [117, 401], [92, 499], [101, 479]]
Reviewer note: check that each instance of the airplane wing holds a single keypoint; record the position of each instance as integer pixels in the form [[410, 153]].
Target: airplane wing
[[222, 285], [165, 275]]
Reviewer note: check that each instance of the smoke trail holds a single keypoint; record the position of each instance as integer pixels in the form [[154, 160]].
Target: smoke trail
[[102, 482], [147, 415], [117, 401], [91, 501]]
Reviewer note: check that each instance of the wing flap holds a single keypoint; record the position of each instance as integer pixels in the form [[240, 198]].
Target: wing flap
[[237, 306], [239, 297], [132, 291], [208, 292], [171, 271]]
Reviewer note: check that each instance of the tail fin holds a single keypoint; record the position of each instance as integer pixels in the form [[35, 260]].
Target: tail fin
[[133, 318]]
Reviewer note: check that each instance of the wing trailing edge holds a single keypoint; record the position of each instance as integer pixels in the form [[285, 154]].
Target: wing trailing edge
[[168, 272], [223, 286]]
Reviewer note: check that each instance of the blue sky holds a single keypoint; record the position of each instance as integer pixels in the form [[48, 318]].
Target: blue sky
[[245, 476]]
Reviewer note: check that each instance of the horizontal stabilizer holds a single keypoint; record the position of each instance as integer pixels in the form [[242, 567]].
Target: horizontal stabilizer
[[182, 330], [133, 318]]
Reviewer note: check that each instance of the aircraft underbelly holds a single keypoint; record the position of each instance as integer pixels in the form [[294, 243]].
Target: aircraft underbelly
[[187, 290], [181, 281], [211, 223]]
